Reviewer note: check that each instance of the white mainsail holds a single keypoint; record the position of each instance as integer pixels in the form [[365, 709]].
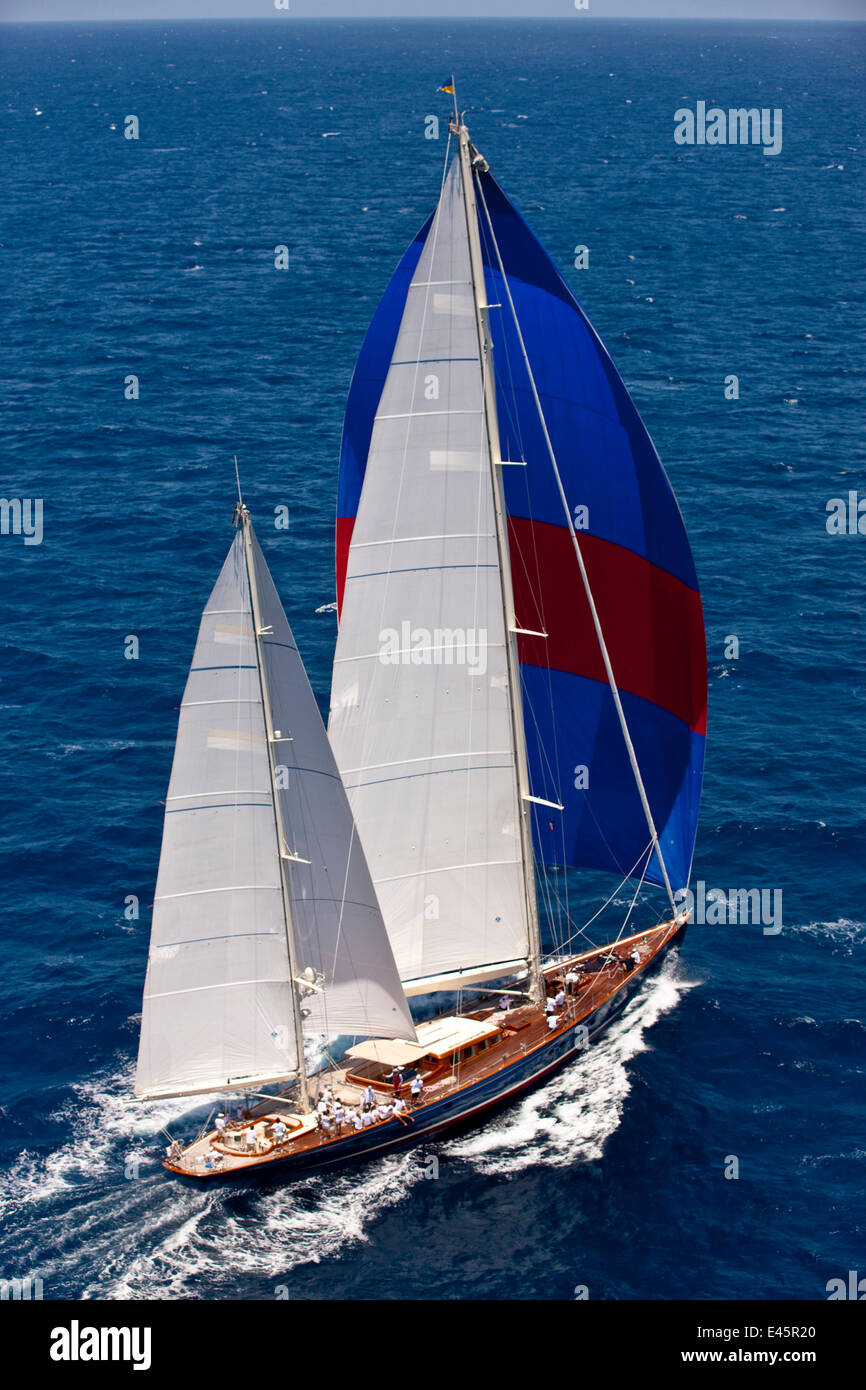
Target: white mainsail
[[420, 717], [218, 1009]]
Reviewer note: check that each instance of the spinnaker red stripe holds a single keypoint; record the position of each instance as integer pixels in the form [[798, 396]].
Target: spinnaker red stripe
[[652, 623], [345, 527]]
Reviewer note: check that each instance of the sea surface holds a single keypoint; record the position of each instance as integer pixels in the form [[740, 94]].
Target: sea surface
[[154, 258]]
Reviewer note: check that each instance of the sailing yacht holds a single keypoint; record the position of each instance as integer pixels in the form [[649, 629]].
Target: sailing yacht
[[519, 692]]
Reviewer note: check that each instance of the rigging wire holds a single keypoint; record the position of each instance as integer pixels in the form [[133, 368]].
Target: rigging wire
[[594, 613], [551, 781], [636, 892], [609, 900]]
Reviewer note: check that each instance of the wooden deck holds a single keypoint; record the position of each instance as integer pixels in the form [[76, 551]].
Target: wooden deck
[[524, 1029]]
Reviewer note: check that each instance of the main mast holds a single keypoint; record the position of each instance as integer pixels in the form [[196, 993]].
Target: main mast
[[242, 517], [515, 699]]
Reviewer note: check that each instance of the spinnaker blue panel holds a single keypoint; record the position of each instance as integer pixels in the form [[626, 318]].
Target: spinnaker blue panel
[[640, 571]]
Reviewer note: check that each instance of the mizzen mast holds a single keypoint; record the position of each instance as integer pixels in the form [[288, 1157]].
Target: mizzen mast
[[274, 737]]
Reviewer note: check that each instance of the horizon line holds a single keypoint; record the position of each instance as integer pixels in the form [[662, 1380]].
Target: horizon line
[[447, 19]]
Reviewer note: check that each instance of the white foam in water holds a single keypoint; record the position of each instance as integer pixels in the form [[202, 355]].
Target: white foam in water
[[90, 1231], [265, 1242], [843, 932], [78, 1197], [100, 1117], [570, 1118]]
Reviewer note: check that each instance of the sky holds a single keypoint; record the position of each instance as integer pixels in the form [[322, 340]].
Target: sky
[[24, 10]]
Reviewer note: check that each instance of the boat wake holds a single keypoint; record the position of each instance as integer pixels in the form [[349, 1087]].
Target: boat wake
[[570, 1119], [102, 1202], [218, 1241]]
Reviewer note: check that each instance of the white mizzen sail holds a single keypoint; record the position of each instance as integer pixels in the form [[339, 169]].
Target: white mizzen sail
[[420, 717], [217, 1002], [218, 1008]]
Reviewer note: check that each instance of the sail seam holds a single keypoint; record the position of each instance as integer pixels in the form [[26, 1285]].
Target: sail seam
[[227, 888], [206, 940], [430, 757], [418, 414], [436, 772], [235, 700], [448, 868], [219, 806], [221, 984], [446, 536], [245, 791], [418, 569], [428, 361]]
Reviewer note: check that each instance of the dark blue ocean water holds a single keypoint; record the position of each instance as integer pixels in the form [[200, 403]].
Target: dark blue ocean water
[[155, 258]]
